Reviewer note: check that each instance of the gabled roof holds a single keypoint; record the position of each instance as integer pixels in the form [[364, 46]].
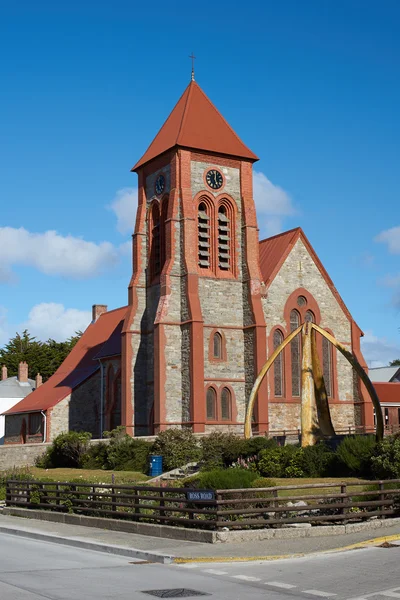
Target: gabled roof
[[13, 388], [80, 363], [196, 123], [382, 374], [275, 250]]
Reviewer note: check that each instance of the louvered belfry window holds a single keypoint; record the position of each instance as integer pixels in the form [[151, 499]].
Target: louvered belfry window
[[278, 365], [295, 354], [224, 239], [204, 236]]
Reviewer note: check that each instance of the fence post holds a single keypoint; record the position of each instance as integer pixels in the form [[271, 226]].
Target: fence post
[[275, 504], [343, 490], [137, 504], [218, 500], [113, 500], [162, 504], [382, 495]]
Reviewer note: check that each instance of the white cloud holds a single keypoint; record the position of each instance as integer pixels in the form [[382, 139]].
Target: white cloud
[[391, 237], [124, 206], [272, 204], [53, 254], [378, 352], [52, 320]]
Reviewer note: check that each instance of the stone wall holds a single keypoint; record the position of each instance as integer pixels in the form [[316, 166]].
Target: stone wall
[[300, 271], [20, 455]]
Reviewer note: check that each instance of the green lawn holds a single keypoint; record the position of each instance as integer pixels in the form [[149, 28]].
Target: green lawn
[[320, 490], [91, 475]]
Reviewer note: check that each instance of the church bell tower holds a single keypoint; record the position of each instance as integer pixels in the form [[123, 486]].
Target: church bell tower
[[194, 338]]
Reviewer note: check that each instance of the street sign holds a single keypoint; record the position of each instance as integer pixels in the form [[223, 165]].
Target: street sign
[[200, 496]]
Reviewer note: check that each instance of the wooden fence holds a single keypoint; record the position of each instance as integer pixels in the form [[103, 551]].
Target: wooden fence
[[317, 504]]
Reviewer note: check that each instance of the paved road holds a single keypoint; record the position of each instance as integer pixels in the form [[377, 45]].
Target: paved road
[[35, 570]]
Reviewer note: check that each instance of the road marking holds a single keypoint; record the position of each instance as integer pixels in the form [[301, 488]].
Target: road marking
[[279, 584], [246, 578], [215, 572], [390, 593], [319, 593], [189, 566]]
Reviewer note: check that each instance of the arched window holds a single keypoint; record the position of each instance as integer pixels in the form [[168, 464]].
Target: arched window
[[217, 345], [278, 365], [226, 404], [204, 237], [309, 317], [295, 354], [155, 241], [211, 401], [163, 247], [224, 239], [327, 365]]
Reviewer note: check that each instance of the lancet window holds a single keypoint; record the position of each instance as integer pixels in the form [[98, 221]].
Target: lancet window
[[278, 365], [295, 354]]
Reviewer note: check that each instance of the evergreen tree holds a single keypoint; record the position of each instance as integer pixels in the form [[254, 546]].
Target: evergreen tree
[[395, 363], [42, 357]]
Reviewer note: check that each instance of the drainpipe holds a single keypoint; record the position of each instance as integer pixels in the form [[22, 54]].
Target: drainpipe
[[45, 426], [101, 397]]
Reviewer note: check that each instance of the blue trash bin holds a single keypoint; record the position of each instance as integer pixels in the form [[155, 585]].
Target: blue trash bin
[[156, 465]]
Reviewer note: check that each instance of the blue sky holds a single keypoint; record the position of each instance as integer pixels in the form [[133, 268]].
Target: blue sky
[[311, 87]]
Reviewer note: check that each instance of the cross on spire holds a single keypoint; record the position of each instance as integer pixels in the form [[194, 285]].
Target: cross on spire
[[192, 56]]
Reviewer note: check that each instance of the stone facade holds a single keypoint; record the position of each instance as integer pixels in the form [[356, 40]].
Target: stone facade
[[300, 272]]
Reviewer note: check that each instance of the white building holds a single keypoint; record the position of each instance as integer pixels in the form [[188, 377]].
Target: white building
[[14, 389]]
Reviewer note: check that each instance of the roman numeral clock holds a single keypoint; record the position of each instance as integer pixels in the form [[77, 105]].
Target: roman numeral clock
[[214, 179]]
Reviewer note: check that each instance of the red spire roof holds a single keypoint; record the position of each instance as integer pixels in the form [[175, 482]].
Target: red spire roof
[[196, 123]]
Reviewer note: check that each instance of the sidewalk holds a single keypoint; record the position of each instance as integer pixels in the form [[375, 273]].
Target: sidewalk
[[167, 550]]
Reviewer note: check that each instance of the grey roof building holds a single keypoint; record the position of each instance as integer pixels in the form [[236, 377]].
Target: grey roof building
[[385, 374], [13, 390]]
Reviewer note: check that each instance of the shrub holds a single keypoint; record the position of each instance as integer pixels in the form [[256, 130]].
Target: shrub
[[16, 474], [67, 450], [354, 455], [221, 450], [263, 482], [315, 461], [273, 463], [127, 454], [254, 445], [95, 457], [385, 463], [177, 447], [224, 479]]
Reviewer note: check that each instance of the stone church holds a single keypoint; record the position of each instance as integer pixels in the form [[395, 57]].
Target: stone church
[[207, 303]]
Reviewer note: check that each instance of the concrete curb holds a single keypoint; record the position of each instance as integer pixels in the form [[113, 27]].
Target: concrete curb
[[271, 557], [97, 547], [197, 535]]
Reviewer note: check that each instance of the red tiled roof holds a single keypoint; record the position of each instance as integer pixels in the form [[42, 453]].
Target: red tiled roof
[[98, 340], [388, 392], [273, 252], [196, 123]]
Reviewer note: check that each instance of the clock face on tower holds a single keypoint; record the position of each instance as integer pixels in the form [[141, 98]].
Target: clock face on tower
[[214, 179], [160, 185]]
